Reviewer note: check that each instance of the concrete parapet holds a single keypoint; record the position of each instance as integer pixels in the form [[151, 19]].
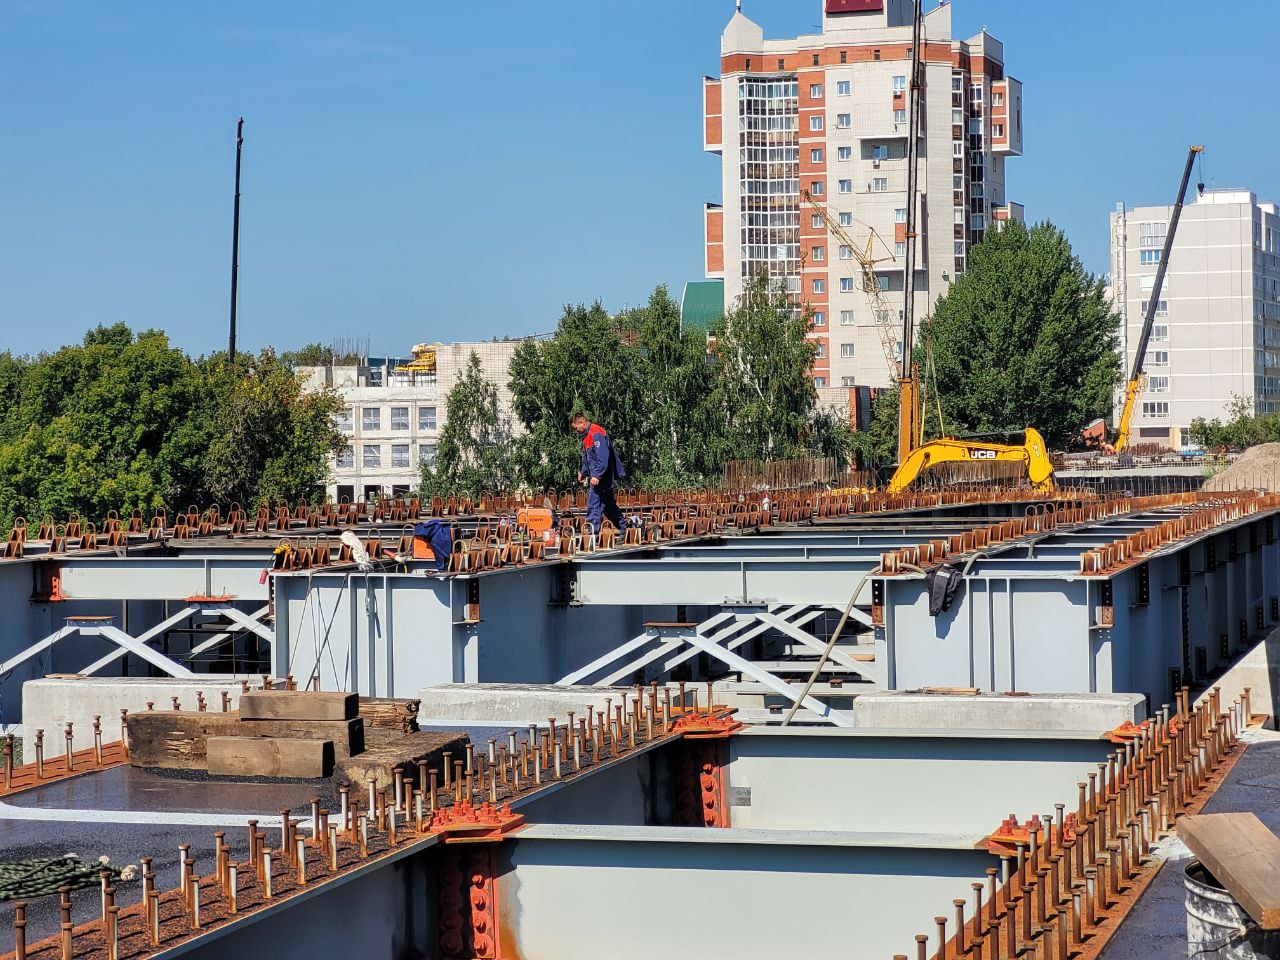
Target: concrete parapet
[[451, 704]]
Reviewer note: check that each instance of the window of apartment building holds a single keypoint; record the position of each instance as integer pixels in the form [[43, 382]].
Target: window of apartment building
[[1162, 309], [1159, 358], [846, 186], [880, 184], [399, 418], [978, 221], [875, 54], [343, 420], [899, 84], [900, 116], [1152, 234], [997, 130], [815, 59], [819, 253], [975, 93], [815, 91], [822, 351], [427, 454], [846, 285], [959, 248], [819, 381], [883, 316], [844, 56], [978, 191], [1158, 384], [816, 188], [846, 350], [997, 98], [957, 82], [816, 221], [819, 318], [844, 88], [815, 155], [1155, 409], [399, 454], [1148, 257], [844, 120], [975, 125], [957, 148], [846, 318], [819, 285], [846, 219], [426, 418], [372, 455], [958, 216], [900, 215], [844, 153], [848, 381], [846, 252], [346, 458], [371, 418], [1160, 332], [880, 152], [882, 281], [815, 122], [900, 248], [1147, 282], [957, 117]]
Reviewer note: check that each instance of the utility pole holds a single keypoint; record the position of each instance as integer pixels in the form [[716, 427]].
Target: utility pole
[[908, 387], [235, 244]]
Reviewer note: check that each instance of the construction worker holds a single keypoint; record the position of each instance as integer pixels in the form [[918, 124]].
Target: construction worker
[[600, 469]]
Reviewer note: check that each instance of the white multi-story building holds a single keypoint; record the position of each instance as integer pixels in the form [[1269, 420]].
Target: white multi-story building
[[1216, 335], [827, 114], [393, 417]]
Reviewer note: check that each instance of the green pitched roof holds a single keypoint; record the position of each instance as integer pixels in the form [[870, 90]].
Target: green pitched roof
[[702, 303]]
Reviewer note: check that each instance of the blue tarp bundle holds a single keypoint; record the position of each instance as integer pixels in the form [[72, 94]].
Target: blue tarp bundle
[[440, 536]]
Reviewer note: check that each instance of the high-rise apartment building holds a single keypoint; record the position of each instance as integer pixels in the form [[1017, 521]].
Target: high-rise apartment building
[[827, 114], [1216, 334]]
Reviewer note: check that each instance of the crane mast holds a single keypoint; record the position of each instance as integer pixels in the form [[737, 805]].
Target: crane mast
[[909, 423], [1137, 376]]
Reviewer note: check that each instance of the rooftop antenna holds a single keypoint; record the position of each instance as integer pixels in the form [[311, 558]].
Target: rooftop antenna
[[235, 244], [739, 5]]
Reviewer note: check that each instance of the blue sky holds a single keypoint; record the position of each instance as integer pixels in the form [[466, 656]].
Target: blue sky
[[439, 170]]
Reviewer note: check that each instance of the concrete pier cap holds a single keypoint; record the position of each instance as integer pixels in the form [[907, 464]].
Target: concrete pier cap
[[903, 709]]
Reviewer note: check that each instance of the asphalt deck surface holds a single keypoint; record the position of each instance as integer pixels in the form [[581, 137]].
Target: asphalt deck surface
[[1156, 927]]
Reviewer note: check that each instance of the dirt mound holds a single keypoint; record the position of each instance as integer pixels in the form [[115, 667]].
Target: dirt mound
[[1257, 469]]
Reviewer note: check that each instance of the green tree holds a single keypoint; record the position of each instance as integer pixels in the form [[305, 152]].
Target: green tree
[[476, 449], [585, 366], [269, 437], [1243, 428], [1024, 337], [674, 446], [762, 362]]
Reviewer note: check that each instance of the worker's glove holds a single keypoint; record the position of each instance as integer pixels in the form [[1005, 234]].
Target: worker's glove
[[595, 481]]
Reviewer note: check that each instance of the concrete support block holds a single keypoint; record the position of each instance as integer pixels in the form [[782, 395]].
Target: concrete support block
[[899, 709], [51, 702], [515, 703], [179, 739], [270, 757], [1259, 670]]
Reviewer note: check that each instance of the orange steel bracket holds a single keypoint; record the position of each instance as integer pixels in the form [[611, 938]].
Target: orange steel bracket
[[464, 823]]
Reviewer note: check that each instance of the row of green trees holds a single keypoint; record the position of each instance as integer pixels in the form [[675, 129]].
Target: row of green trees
[[676, 410], [125, 420], [1242, 428]]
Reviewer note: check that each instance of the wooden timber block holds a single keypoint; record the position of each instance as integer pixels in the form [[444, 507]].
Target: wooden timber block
[[177, 739], [270, 757], [298, 705], [381, 762], [1243, 856], [395, 713]]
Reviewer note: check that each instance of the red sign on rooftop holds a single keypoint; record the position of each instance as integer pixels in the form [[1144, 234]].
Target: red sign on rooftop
[[854, 6]]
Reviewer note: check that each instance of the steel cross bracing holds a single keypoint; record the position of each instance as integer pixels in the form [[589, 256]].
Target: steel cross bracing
[[664, 646]]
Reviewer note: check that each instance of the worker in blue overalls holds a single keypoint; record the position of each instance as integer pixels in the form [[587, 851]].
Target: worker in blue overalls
[[600, 469]]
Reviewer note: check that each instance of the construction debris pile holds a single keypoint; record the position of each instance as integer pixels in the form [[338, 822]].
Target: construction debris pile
[[1258, 468]]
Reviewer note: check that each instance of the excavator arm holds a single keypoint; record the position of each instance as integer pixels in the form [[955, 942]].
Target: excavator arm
[[1032, 453]]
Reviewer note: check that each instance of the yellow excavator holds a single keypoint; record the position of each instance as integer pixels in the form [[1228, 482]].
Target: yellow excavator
[[1096, 433], [915, 457]]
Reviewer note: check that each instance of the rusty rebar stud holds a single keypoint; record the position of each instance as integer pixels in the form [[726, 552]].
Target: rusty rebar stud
[[1033, 846], [979, 919], [922, 948], [8, 761], [941, 924], [958, 903], [447, 763], [1011, 928], [20, 930], [226, 702], [64, 906], [992, 885], [69, 747], [39, 754]]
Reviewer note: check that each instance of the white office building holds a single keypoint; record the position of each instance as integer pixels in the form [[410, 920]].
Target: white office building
[[395, 408]]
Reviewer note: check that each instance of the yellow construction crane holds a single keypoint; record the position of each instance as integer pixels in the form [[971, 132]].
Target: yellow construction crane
[[870, 282], [1137, 377]]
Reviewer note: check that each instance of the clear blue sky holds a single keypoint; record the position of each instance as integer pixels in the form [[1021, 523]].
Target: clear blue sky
[[447, 170]]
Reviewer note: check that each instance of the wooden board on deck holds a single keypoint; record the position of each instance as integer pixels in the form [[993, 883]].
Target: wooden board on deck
[[1243, 856], [178, 739], [298, 705]]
